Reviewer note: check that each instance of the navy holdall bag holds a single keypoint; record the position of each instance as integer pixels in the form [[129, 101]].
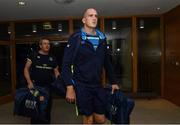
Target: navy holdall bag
[[118, 107], [27, 102]]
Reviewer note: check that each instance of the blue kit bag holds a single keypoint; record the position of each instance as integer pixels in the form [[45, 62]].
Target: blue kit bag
[[118, 107], [27, 102]]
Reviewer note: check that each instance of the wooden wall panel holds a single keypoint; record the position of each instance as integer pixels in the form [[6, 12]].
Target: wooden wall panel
[[172, 56]]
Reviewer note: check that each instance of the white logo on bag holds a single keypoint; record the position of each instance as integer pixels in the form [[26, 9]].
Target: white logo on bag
[[113, 109], [30, 104]]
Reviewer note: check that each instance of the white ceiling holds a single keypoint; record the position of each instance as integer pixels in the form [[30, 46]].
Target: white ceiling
[[47, 9]]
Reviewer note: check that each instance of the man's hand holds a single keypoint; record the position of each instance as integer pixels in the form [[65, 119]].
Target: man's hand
[[41, 98], [115, 87], [70, 94], [30, 85]]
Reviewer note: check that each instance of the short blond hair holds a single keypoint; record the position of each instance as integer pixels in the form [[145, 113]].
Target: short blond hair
[[85, 11], [41, 40]]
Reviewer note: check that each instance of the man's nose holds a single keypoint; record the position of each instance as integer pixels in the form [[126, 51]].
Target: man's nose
[[94, 18]]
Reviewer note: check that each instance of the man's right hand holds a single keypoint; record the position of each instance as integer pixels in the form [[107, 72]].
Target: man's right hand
[[30, 85], [70, 94]]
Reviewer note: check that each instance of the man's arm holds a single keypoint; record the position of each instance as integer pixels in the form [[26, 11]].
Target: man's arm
[[67, 62], [27, 74], [66, 69]]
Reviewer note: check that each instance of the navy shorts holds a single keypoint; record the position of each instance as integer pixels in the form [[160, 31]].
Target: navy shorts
[[90, 100]]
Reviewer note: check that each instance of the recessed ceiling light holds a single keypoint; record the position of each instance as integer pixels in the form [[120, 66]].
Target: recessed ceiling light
[[141, 24], [34, 28], [21, 3], [9, 30], [63, 1], [114, 26], [59, 27], [158, 8]]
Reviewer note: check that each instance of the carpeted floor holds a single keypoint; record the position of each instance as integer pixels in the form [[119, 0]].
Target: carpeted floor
[[146, 111]]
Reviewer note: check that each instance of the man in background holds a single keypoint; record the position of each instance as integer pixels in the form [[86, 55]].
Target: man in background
[[38, 71]]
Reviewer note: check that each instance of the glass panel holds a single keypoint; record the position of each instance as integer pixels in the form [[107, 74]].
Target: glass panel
[[118, 33], [5, 70], [41, 28], [22, 50], [57, 49], [5, 31], [149, 55], [77, 24]]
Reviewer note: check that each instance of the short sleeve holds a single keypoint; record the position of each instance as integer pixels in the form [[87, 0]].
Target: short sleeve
[[31, 56]]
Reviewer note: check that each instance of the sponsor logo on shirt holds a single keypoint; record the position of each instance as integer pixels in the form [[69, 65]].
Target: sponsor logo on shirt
[[44, 66]]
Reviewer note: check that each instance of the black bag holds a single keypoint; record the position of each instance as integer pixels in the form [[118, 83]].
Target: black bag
[[119, 107], [27, 103]]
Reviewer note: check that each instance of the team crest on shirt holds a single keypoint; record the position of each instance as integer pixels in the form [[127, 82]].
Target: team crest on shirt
[[38, 57], [68, 45], [50, 58]]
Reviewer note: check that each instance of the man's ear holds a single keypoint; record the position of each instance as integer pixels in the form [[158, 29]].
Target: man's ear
[[40, 46], [83, 20]]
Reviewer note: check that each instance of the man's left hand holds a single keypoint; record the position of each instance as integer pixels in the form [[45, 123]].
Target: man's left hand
[[41, 98], [115, 87]]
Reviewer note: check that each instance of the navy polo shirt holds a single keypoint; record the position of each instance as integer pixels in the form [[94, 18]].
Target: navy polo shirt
[[42, 69]]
